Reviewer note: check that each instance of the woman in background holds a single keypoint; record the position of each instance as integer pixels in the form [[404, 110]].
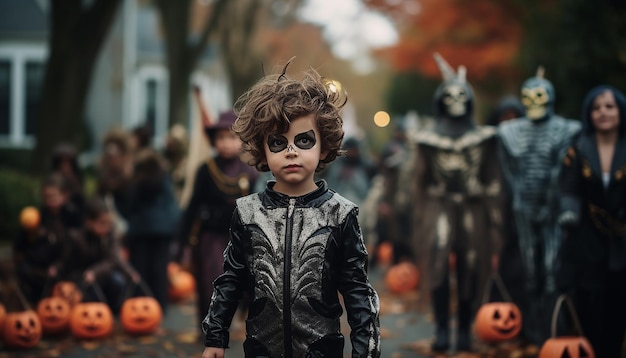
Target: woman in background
[[593, 216]]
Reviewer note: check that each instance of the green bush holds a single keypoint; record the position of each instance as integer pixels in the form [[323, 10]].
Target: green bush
[[17, 190]]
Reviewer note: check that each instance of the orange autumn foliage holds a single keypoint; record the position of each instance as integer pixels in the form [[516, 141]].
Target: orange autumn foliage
[[482, 35]]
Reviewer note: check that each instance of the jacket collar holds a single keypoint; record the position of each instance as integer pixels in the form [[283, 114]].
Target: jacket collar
[[274, 198]]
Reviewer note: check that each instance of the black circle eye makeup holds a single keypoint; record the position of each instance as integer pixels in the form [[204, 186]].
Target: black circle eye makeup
[[278, 143]]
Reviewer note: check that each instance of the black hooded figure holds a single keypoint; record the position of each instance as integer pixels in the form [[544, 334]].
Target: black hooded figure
[[531, 150], [457, 187], [593, 216]]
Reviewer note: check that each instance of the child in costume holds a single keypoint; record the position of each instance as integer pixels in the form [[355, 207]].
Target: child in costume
[[37, 253], [205, 222], [296, 244]]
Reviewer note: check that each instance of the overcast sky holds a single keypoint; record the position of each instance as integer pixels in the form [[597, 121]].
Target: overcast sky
[[351, 29]]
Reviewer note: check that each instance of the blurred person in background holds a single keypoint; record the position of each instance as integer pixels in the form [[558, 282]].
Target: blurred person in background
[[531, 149], [206, 219], [92, 257], [350, 175], [115, 170], [37, 252], [175, 152], [593, 217], [153, 221], [65, 162], [456, 191]]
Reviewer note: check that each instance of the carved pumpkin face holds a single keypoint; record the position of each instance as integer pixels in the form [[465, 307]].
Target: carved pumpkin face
[[141, 315], [67, 290], [498, 321], [30, 218], [402, 277], [181, 285], [22, 329], [91, 320], [567, 347], [54, 314]]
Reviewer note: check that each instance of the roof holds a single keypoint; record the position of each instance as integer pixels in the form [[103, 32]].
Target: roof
[[23, 20]]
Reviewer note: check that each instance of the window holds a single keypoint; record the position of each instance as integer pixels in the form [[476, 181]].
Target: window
[[22, 68], [151, 104], [34, 81]]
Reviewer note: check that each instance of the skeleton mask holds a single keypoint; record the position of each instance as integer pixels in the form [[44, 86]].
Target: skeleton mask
[[455, 100], [538, 97], [454, 97]]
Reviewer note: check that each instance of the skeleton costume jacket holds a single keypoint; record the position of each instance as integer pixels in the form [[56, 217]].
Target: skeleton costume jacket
[[531, 150], [293, 255]]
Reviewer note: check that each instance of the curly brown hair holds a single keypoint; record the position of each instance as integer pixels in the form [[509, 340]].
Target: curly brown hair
[[273, 102]]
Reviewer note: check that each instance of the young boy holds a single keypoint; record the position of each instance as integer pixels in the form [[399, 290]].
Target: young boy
[[296, 244], [37, 253]]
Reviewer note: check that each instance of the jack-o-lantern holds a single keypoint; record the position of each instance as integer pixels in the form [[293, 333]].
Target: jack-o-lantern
[[567, 347], [91, 320], [498, 321], [30, 218], [182, 285], [402, 277], [22, 329], [141, 315], [384, 253], [67, 290], [54, 314]]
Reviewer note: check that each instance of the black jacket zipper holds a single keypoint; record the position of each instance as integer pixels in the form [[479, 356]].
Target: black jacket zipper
[[287, 280]]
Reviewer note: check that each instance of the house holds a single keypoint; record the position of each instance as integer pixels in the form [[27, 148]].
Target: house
[[129, 85]]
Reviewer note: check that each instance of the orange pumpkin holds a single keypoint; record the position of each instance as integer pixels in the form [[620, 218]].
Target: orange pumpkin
[[572, 347], [402, 277], [22, 329], [141, 315], [54, 314], [498, 321], [384, 253], [182, 285], [69, 291], [566, 346], [30, 218], [91, 320]]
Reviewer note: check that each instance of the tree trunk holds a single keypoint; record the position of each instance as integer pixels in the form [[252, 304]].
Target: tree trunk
[[76, 36]]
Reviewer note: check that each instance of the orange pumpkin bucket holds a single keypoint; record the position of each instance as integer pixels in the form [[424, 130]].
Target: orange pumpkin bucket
[[140, 314], [497, 321], [21, 329], [566, 346], [402, 277], [92, 320]]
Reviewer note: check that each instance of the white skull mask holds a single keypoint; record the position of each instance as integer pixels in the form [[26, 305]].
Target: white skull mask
[[455, 100], [536, 102]]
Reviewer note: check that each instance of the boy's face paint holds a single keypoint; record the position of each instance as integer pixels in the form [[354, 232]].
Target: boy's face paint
[[278, 143], [294, 156]]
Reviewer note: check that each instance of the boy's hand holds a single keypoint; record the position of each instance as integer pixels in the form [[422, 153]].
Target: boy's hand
[[212, 352]]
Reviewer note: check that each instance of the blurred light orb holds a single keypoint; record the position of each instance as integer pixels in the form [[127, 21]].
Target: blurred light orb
[[382, 119]]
